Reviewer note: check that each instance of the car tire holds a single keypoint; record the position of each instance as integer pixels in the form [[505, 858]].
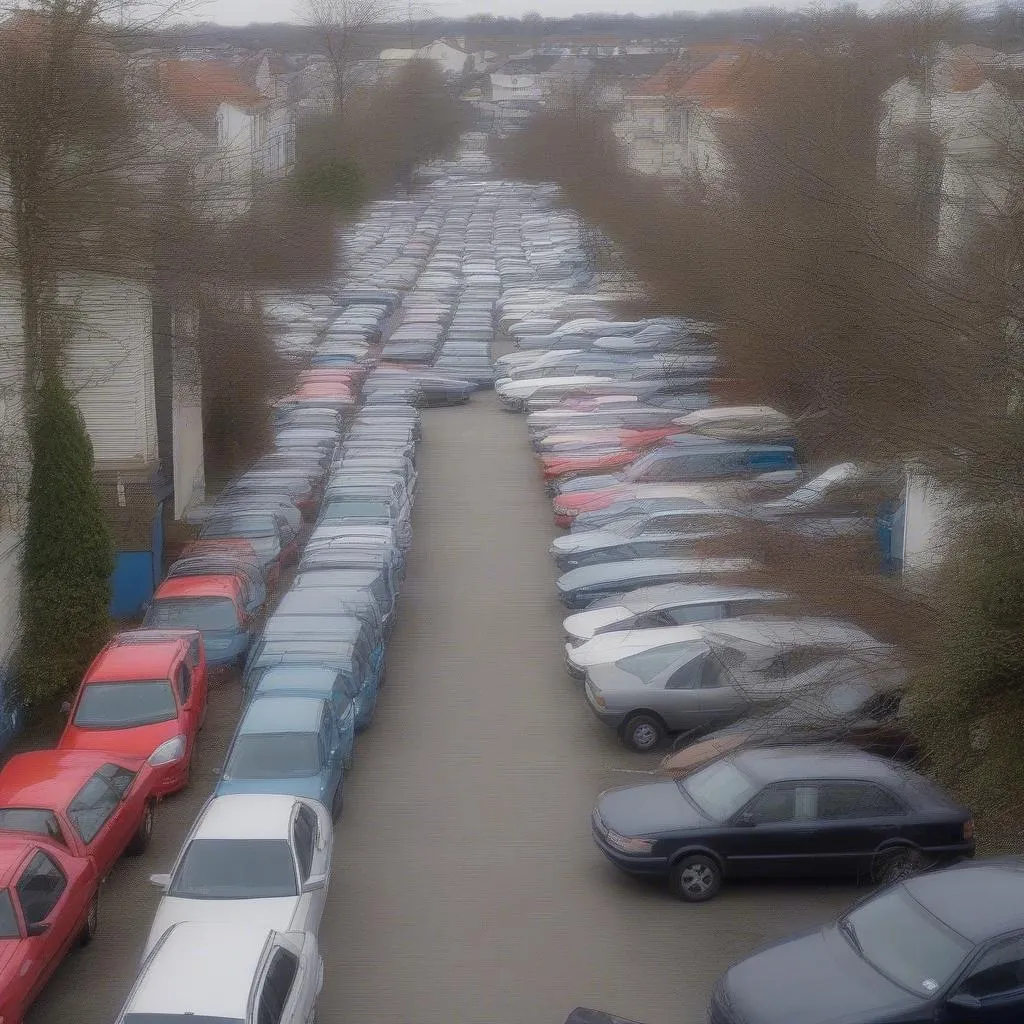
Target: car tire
[[643, 733], [897, 864], [92, 922], [143, 834], [696, 878]]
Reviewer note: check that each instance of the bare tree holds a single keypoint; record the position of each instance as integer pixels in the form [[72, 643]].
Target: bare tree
[[340, 26]]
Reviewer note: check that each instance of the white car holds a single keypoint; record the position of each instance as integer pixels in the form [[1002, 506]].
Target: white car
[[739, 423], [516, 393], [260, 860], [664, 606], [238, 973]]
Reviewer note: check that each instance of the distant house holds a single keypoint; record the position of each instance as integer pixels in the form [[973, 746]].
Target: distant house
[[520, 79], [451, 58]]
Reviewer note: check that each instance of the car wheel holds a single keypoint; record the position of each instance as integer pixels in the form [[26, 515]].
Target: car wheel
[[643, 733], [896, 864], [92, 922], [696, 878], [143, 834]]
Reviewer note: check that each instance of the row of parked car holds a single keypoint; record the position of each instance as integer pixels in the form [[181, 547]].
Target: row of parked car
[[291, 586], [792, 753]]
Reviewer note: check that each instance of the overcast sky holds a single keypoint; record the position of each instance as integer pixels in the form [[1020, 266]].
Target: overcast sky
[[242, 12]]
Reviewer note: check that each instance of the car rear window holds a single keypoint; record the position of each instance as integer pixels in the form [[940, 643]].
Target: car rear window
[[357, 509], [235, 869], [126, 705], [239, 526], [197, 612], [38, 821], [274, 755]]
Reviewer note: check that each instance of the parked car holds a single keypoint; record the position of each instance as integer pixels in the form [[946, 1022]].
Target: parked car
[[286, 744], [144, 695], [236, 972], [691, 679], [852, 710], [214, 605], [49, 900], [578, 588], [670, 604], [94, 803], [943, 946], [262, 860], [781, 812]]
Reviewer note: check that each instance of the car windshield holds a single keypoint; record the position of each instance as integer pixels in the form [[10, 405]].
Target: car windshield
[[198, 612], [235, 869], [239, 526], [901, 940], [719, 790], [273, 755], [36, 820], [8, 920], [124, 705]]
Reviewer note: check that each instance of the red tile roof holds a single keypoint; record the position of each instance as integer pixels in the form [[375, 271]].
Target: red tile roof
[[715, 86], [965, 74], [196, 88]]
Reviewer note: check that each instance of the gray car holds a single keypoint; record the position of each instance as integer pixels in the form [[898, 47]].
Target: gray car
[[710, 675]]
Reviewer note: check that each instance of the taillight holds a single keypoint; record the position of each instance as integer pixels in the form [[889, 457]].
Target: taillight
[[969, 829]]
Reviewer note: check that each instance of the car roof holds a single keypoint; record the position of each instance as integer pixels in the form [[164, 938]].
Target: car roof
[[637, 567], [815, 761], [980, 899], [127, 662], [672, 594], [219, 960], [246, 816], [199, 586], [805, 630], [52, 778], [282, 714]]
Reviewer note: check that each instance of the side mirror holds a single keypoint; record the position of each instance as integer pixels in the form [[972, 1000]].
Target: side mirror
[[65, 708], [161, 881], [745, 820], [39, 928], [314, 882], [964, 1001]]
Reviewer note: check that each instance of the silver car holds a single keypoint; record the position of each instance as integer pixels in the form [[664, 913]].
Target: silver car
[[220, 971], [261, 860], [707, 676]]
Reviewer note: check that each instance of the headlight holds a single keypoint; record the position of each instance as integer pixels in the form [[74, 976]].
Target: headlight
[[629, 844], [169, 751]]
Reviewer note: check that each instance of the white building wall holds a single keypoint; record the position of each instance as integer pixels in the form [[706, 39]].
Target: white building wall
[[186, 420], [109, 365]]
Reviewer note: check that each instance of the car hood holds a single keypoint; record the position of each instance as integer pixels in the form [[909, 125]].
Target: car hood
[[573, 543], [259, 915], [140, 741], [609, 647], [583, 625], [650, 809], [815, 978]]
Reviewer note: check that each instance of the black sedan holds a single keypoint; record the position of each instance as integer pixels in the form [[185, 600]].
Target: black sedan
[[944, 947], [771, 812]]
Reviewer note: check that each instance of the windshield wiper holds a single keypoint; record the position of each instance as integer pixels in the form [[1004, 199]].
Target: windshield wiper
[[848, 930]]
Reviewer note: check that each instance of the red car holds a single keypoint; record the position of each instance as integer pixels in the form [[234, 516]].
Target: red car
[[568, 506], [48, 901], [618, 453], [94, 803], [144, 695]]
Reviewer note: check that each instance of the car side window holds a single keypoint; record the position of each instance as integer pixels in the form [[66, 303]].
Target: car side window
[[304, 836], [687, 676], [193, 653], [277, 986], [92, 807], [652, 620], [851, 800], [750, 608], [40, 888], [184, 677], [695, 613], [1000, 969], [778, 804]]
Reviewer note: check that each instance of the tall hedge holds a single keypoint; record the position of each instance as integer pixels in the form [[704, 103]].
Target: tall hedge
[[69, 555]]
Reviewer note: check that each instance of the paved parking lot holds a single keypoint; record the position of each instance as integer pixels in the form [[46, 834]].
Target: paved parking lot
[[466, 888]]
